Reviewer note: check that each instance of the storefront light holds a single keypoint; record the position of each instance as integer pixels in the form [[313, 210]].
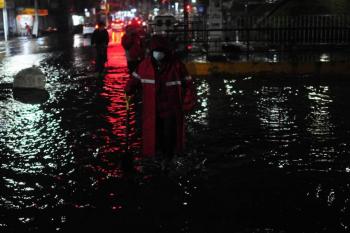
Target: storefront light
[[77, 20]]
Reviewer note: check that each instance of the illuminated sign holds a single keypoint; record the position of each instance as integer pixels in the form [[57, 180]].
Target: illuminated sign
[[31, 11], [2, 3]]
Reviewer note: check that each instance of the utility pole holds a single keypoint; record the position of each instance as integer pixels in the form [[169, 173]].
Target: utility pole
[[5, 20], [36, 19], [107, 13], [185, 10]]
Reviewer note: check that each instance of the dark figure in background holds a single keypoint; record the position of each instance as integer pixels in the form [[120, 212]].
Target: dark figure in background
[[100, 39], [167, 94]]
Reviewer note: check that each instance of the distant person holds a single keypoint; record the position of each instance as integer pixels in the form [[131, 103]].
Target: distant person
[[28, 29], [100, 39], [133, 46], [167, 94]]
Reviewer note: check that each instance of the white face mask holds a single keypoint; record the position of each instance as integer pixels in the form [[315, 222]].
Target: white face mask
[[158, 55]]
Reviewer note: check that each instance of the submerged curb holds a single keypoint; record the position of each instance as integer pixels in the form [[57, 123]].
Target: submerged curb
[[250, 68]]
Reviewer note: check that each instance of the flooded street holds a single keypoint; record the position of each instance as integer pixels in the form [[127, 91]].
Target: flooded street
[[265, 154]]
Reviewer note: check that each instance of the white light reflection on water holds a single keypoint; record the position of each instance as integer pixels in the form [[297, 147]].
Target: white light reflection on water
[[277, 123], [80, 41], [324, 57], [230, 88], [26, 47], [201, 113], [321, 126], [36, 146], [30, 141], [41, 41], [274, 113]]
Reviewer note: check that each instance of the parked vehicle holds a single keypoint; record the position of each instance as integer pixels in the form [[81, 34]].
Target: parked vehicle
[[117, 25], [137, 21]]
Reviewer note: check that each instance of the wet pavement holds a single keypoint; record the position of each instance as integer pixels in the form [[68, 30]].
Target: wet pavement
[[265, 154]]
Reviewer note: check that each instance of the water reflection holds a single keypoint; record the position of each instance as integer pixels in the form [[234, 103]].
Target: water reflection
[[200, 116], [277, 123], [274, 115], [116, 37], [325, 57], [113, 94], [321, 126], [264, 154], [29, 134], [81, 41]]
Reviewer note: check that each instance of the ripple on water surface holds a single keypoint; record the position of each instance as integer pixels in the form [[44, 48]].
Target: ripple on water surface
[[261, 152]]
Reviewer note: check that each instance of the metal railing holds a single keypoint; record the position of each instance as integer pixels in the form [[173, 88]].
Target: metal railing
[[281, 34], [310, 29]]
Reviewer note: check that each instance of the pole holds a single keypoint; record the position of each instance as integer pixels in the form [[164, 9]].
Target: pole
[[185, 10], [36, 19], [5, 20], [107, 12]]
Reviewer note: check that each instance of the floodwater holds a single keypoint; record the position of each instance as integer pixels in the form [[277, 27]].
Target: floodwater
[[265, 154]]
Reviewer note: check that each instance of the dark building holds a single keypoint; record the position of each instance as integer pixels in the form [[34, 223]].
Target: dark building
[[21, 12], [11, 16], [52, 14]]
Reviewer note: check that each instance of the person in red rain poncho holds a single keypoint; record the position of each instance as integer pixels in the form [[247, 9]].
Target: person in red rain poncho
[[167, 94]]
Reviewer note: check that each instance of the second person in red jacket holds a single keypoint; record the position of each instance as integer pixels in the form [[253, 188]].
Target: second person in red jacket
[[133, 46]]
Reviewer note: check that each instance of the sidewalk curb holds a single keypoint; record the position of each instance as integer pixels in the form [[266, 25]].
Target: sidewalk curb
[[250, 68]]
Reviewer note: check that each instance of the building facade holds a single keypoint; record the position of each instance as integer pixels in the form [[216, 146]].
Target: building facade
[[52, 14]]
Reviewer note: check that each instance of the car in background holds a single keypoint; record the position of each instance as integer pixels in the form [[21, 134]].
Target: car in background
[[117, 25], [136, 22], [88, 29], [49, 30]]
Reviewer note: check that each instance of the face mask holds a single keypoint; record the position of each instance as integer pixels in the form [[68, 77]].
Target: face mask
[[158, 55]]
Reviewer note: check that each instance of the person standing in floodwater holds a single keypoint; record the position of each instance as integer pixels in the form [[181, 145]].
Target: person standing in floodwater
[[28, 30], [100, 39], [167, 94], [133, 46]]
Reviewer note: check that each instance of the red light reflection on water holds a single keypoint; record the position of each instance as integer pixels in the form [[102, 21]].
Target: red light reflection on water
[[116, 37], [116, 114]]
